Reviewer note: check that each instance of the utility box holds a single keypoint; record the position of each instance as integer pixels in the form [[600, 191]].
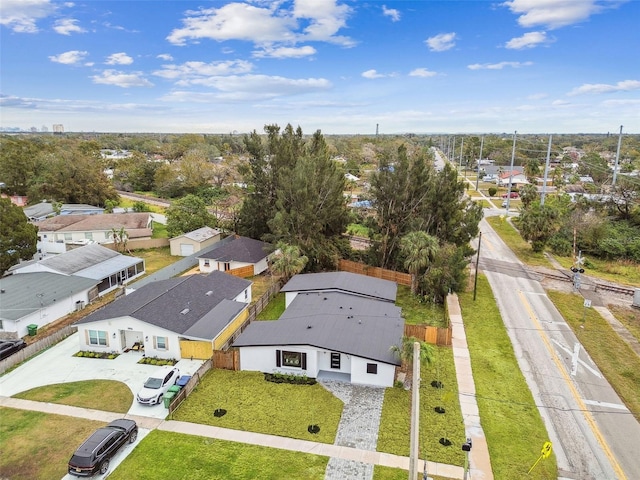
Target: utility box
[[636, 298]]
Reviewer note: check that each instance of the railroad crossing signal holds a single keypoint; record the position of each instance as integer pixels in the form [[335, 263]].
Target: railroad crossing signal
[[544, 453]]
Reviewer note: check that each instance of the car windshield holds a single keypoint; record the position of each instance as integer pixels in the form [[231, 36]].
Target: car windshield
[[153, 383]]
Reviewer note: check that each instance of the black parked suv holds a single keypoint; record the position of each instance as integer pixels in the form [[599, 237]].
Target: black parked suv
[[94, 454]]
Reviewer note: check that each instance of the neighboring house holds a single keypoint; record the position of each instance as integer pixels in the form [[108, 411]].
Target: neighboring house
[[345, 282], [181, 317], [39, 298], [43, 210], [514, 178], [55, 233], [243, 256], [18, 200], [327, 335], [110, 269], [351, 177], [192, 242]]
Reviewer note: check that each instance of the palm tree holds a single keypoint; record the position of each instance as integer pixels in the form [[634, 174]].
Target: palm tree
[[404, 351], [288, 261], [419, 249], [120, 238]]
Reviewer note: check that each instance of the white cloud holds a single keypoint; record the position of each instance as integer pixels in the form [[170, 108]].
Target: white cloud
[[21, 16], [165, 56], [498, 66], [554, 13], [422, 72], [371, 74], [269, 25], [596, 88], [441, 42], [391, 13], [67, 26], [121, 79], [72, 57], [120, 58], [528, 40], [285, 52], [188, 72], [537, 96]]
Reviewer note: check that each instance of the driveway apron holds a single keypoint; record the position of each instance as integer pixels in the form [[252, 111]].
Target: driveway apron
[[358, 428]]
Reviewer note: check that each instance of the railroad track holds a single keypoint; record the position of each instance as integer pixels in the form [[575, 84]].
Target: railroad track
[[599, 286]]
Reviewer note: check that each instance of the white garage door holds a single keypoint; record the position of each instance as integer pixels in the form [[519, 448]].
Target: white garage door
[[186, 249]]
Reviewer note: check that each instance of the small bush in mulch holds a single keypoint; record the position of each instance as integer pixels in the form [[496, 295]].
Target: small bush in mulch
[[157, 361], [289, 378], [88, 354]]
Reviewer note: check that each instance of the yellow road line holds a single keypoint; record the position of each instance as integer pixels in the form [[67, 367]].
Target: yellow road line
[[574, 391]]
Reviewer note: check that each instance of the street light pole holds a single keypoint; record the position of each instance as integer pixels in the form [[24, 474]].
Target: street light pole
[[415, 413], [546, 172], [479, 160], [475, 281], [513, 156]]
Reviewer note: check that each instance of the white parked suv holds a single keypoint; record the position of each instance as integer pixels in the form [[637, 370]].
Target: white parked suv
[[157, 385]]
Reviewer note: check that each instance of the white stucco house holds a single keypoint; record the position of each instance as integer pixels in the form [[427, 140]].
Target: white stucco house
[[328, 334], [109, 268], [240, 253], [181, 317], [192, 242], [40, 298]]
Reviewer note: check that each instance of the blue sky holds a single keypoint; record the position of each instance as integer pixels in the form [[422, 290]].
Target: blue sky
[[340, 66]]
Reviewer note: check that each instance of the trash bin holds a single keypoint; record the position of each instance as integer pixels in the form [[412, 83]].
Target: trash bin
[[174, 388], [183, 380], [32, 329], [167, 398]]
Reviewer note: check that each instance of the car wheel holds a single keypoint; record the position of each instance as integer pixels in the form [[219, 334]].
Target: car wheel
[[104, 466], [159, 399], [133, 436]]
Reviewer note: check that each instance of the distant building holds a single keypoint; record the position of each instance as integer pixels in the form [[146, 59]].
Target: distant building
[[58, 128]]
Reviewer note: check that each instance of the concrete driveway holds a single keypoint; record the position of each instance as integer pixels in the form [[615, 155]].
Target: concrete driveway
[[58, 365]]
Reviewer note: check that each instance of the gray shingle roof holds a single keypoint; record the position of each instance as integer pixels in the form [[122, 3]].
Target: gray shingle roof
[[180, 304], [345, 282], [241, 249], [78, 259], [25, 293], [136, 224], [334, 321]]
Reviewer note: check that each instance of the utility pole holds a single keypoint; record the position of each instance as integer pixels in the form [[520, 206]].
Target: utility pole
[[615, 167], [461, 149], [475, 281], [415, 413], [546, 172], [479, 160], [513, 156]]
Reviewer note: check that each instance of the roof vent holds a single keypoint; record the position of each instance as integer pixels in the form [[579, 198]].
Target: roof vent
[[209, 293], [308, 327], [185, 311]]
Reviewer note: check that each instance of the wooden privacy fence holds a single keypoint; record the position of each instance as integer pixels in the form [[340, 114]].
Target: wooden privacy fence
[[242, 272], [226, 359], [384, 274], [191, 384], [426, 333]]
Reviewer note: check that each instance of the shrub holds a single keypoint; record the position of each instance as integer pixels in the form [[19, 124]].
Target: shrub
[[493, 191]]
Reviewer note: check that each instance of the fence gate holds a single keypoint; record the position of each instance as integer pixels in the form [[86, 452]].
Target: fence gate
[[200, 350]]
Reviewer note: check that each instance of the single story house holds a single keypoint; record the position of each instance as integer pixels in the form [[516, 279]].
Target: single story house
[[181, 317], [40, 298], [346, 282], [242, 256], [330, 335], [192, 242], [111, 269], [43, 210], [516, 179], [55, 233]]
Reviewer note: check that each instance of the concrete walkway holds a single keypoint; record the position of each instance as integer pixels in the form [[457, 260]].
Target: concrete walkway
[[479, 462], [251, 438]]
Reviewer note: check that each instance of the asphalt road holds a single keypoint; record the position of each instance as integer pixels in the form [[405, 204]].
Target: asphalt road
[[594, 435]]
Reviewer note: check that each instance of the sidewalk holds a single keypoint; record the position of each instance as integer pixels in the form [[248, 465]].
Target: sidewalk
[[479, 461], [251, 438]]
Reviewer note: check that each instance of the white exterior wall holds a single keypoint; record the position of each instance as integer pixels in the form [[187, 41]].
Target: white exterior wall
[[56, 243], [288, 298], [244, 296], [45, 315], [260, 266], [127, 331], [384, 377]]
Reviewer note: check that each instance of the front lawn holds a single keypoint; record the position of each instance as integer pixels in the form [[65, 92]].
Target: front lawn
[[107, 395], [255, 405], [417, 311], [175, 456], [395, 424]]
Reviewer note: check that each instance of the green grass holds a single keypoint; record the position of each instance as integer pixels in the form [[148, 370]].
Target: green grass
[[107, 395], [357, 230], [128, 203], [274, 309], [618, 363], [418, 312], [156, 258], [395, 423], [520, 247], [255, 405], [159, 231], [629, 317], [164, 455], [37, 446], [388, 473], [510, 419]]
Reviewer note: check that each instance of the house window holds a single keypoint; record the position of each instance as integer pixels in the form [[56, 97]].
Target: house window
[[227, 266], [206, 262], [372, 368], [88, 235], [98, 337], [291, 359], [68, 237], [246, 294], [160, 343], [335, 360]]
